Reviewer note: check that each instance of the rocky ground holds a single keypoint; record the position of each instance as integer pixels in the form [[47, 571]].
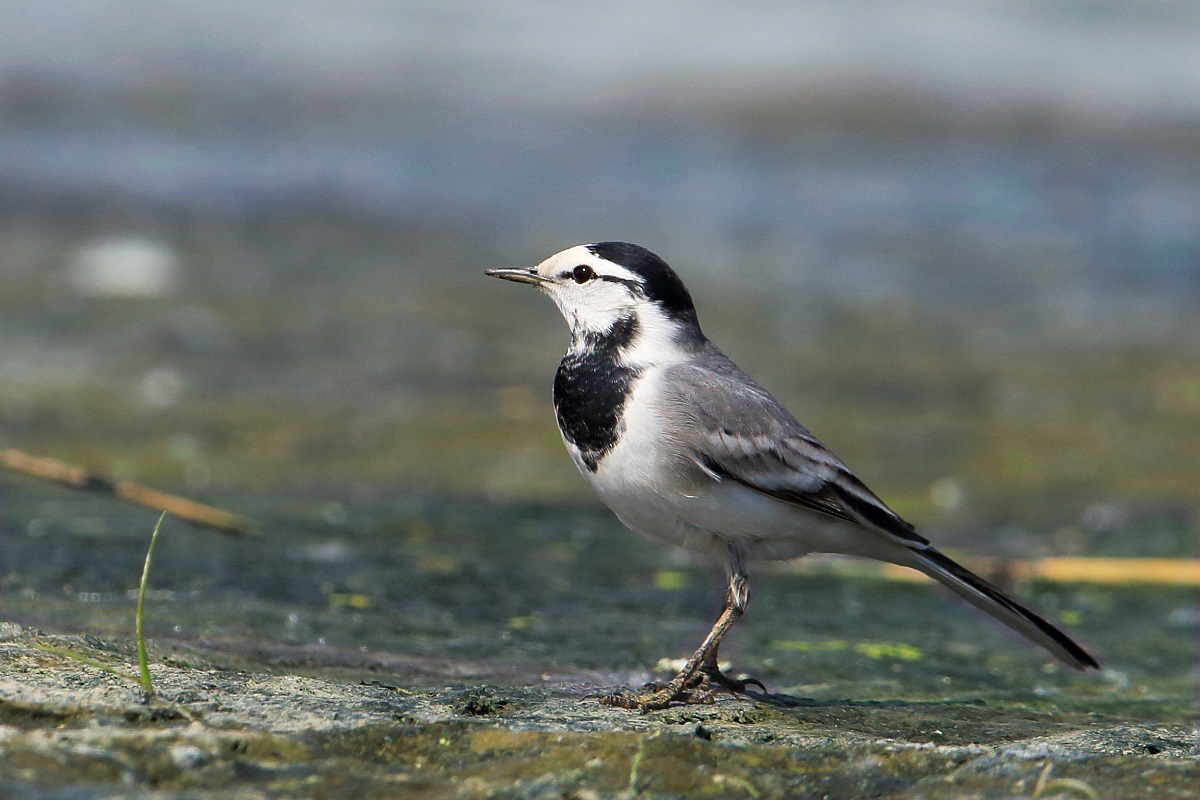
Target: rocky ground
[[74, 723], [454, 649]]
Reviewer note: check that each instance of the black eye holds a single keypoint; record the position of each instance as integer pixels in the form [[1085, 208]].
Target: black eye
[[583, 273]]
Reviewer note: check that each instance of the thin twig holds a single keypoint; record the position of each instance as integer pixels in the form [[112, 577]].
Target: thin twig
[[73, 477]]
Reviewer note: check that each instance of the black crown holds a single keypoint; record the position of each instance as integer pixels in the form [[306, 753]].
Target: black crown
[[659, 282]]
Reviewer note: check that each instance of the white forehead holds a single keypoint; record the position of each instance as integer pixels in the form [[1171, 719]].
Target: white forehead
[[580, 254]]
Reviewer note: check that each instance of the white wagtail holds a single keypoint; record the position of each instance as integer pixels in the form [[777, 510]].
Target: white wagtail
[[687, 450]]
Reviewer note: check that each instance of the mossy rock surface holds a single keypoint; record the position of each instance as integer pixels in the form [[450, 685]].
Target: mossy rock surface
[[72, 716]]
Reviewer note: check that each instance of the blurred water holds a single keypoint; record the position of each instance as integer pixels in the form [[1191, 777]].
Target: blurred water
[[1107, 59], [742, 143], [851, 216]]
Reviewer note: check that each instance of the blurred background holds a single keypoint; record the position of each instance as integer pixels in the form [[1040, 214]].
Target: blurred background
[[242, 243]]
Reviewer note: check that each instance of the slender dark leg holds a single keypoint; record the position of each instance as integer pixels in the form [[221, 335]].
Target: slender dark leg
[[737, 595], [700, 678]]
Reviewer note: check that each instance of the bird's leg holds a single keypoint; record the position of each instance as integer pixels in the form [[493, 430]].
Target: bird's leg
[[736, 598], [700, 679]]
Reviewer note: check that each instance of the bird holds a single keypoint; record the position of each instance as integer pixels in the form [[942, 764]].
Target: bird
[[688, 450]]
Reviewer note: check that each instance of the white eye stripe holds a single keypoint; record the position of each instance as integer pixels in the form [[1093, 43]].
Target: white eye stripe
[[607, 269]]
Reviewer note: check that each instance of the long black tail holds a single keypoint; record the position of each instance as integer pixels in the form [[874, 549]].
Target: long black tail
[[980, 593]]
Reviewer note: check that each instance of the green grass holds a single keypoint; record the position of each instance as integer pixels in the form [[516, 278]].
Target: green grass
[[143, 660]]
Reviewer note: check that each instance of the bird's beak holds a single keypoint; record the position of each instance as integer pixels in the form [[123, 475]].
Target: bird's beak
[[518, 274]]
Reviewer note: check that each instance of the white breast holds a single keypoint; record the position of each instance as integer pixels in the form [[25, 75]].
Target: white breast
[[635, 478]]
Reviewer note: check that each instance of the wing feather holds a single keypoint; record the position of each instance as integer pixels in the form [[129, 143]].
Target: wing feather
[[739, 432]]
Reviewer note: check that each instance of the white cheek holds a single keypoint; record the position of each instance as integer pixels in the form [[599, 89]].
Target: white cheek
[[591, 307]]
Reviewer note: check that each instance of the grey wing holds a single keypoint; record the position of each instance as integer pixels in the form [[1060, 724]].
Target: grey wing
[[739, 432]]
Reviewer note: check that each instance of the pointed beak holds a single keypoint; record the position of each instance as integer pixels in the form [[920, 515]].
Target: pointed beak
[[518, 274]]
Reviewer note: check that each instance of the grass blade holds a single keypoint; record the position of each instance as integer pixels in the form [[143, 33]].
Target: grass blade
[[143, 662]]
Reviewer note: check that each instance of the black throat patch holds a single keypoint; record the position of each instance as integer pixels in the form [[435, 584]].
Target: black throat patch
[[590, 389]]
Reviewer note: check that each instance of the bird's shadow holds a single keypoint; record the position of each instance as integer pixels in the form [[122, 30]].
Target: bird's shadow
[[782, 700]]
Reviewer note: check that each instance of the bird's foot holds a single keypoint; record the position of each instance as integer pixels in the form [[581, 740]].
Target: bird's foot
[[701, 688], [656, 696]]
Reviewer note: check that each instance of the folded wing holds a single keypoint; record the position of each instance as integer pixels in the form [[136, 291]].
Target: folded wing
[[739, 432]]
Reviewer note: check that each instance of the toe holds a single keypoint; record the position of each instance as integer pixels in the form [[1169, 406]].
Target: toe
[[622, 698], [718, 680], [747, 682]]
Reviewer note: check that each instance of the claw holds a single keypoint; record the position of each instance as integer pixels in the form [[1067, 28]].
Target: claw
[[712, 675]]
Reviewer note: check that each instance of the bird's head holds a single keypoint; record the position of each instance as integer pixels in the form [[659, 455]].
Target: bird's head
[[598, 285]]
